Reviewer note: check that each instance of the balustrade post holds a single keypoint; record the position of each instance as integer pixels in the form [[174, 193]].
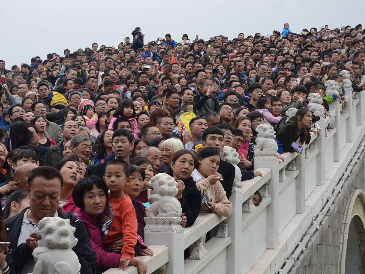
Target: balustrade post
[[347, 86], [335, 106], [360, 108], [321, 157], [266, 156], [163, 223]]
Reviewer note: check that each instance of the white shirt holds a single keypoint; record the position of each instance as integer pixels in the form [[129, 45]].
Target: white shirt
[[197, 178], [28, 227]]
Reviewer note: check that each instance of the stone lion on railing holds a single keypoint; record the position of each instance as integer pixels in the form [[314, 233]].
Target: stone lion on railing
[[162, 198], [265, 138], [54, 254]]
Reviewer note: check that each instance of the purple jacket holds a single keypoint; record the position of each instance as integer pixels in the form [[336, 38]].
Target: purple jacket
[[104, 258]]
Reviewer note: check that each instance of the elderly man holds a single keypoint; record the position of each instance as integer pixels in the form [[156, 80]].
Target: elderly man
[[81, 145], [44, 189], [155, 156]]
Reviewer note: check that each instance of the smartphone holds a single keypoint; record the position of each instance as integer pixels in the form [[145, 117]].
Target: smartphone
[[4, 246], [296, 146], [206, 199]]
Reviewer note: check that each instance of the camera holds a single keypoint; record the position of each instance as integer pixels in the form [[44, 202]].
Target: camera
[[1, 87], [315, 119]]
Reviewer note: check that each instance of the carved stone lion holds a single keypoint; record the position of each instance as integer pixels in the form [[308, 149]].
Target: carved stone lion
[[54, 254], [291, 112], [231, 156], [265, 138], [345, 74], [315, 104], [332, 88], [162, 198]]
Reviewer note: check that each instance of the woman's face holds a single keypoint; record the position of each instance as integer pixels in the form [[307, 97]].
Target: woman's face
[[112, 104], [41, 124], [69, 116], [108, 136], [70, 173], [102, 121], [143, 119], [167, 154], [3, 154], [134, 186], [80, 121], [28, 105], [148, 169], [75, 100], [94, 202], [183, 167], [16, 208], [307, 119], [85, 95], [245, 126], [67, 149], [285, 97], [138, 148], [332, 71], [209, 165]]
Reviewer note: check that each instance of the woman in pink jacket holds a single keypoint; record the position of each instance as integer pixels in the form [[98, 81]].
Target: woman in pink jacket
[[90, 195], [207, 180]]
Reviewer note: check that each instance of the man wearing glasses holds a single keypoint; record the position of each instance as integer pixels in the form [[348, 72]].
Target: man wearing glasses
[[150, 132]]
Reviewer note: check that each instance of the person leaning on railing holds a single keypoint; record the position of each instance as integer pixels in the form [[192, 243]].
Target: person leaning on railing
[[295, 132], [182, 166]]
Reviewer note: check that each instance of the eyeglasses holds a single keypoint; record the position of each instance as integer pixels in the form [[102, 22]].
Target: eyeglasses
[[19, 111], [228, 135], [233, 99], [228, 109], [154, 133], [156, 103]]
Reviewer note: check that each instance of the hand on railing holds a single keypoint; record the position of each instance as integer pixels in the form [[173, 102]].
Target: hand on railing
[[257, 173]]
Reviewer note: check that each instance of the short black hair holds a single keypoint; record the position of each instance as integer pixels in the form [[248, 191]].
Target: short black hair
[[124, 132], [124, 164], [253, 87], [133, 168], [46, 172], [211, 130], [87, 184], [207, 152]]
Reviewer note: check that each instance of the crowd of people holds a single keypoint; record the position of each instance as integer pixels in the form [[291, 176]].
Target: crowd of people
[[82, 134]]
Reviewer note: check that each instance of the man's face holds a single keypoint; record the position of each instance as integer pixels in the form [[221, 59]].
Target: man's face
[[237, 142], [276, 108], [173, 101], [70, 130], [316, 69], [197, 128], [40, 109], [214, 140], [84, 149], [166, 126], [72, 74], [43, 92], [23, 89], [121, 147], [44, 197], [155, 156], [187, 97], [124, 125], [213, 121], [92, 84], [228, 137], [152, 133], [256, 94], [239, 67], [18, 112]]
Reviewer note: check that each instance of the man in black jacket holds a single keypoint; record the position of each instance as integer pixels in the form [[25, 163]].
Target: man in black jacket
[[214, 137], [44, 188]]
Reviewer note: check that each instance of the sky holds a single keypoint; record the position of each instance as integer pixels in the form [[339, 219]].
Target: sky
[[37, 27]]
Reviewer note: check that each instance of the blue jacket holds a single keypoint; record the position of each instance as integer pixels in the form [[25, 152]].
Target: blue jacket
[[168, 43], [285, 32]]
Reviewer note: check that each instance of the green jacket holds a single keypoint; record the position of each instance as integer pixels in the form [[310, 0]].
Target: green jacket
[[296, 105], [54, 155]]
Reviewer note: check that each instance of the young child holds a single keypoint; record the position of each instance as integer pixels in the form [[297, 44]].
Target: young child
[[122, 219], [205, 100], [264, 106], [87, 110], [126, 109]]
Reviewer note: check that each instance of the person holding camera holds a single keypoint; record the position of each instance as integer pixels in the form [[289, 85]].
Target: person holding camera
[[137, 39]]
